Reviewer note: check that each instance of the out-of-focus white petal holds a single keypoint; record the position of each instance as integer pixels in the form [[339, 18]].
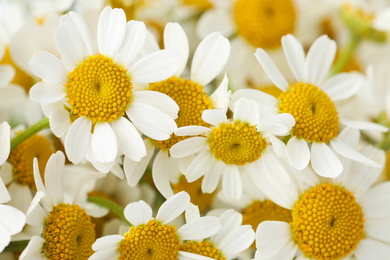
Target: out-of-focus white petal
[[342, 86], [132, 43], [231, 183], [48, 67], [45, 92]]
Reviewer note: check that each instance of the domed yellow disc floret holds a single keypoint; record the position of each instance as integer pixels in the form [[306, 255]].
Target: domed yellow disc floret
[[204, 248], [260, 211], [153, 241], [327, 222], [316, 118], [263, 22], [22, 157], [99, 89], [190, 98], [236, 143], [68, 233]]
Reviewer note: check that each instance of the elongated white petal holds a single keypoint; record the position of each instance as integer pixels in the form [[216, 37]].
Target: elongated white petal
[[154, 67], [151, 121], [138, 213], [5, 141], [363, 125], [176, 39], [104, 144], [132, 43], [209, 58], [173, 207], [295, 56], [319, 59], [46, 93], [272, 71], [279, 124], [247, 111], [191, 130], [184, 255], [230, 220], [35, 215], [160, 173], [378, 228], [157, 100], [188, 147], [103, 243], [214, 116], [231, 183], [59, 121], [199, 166], [220, 97], [111, 30], [53, 177], [200, 228], [33, 249], [238, 240], [77, 139], [374, 201], [272, 236], [111, 253], [342, 86], [211, 178], [4, 194], [298, 153], [371, 249], [48, 67], [324, 161], [278, 146], [7, 74], [272, 163], [12, 218], [5, 237], [135, 169], [351, 153]]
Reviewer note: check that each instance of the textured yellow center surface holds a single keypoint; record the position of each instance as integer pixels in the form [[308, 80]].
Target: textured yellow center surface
[[316, 118], [327, 222], [191, 99], [260, 211], [68, 233], [99, 89], [204, 248], [22, 157], [263, 22], [152, 241], [236, 143]]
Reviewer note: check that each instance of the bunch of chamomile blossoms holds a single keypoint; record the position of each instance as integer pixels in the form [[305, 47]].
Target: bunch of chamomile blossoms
[[194, 130]]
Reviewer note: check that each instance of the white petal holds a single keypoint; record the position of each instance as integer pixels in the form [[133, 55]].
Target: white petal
[[7, 74], [4, 195], [278, 146], [59, 121], [53, 177], [183, 255], [33, 249], [199, 166], [378, 228], [12, 218], [160, 173], [267, 104], [35, 215], [103, 243], [158, 100], [173, 207], [295, 56], [238, 240], [23, 198], [48, 67], [154, 67], [371, 249], [350, 153], [231, 183], [5, 144], [342, 86], [324, 161], [279, 124], [211, 178], [77, 139], [151, 121], [214, 20], [362, 125], [214, 116], [209, 58], [191, 130], [220, 97], [319, 59], [111, 31], [112, 253], [188, 147], [273, 164], [272, 71], [200, 228], [272, 236], [247, 111], [375, 201], [230, 220], [176, 39], [129, 140], [135, 169], [45, 92], [298, 153], [104, 143], [132, 43], [12, 96], [138, 213], [381, 20], [5, 237]]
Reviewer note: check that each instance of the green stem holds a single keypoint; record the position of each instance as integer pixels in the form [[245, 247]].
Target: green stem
[[16, 246], [346, 54], [112, 206], [44, 123]]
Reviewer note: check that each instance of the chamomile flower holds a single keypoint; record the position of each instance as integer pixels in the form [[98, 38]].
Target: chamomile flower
[[209, 59], [155, 238], [312, 103], [65, 227], [342, 218], [89, 97], [229, 148]]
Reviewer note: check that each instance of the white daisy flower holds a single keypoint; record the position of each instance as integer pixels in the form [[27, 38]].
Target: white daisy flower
[[88, 95], [231, 147], [57, 215], [342, 218], [208, 61], [316, 134], [154, 238]]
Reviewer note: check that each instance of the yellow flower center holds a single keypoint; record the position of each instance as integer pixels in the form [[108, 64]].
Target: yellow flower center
[[201, 5], [236, 143], [190, 98], [99, 89], [316, 118], [22, 157], [153, 241], [260, 211], [263, 22], [194, 189], [327, 222], [68, 233], [204, 248]]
